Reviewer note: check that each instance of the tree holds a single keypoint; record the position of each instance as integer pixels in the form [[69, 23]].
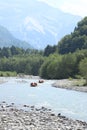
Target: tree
[[49, 50], [5, 51], [83, 68], [76, 40], [14, 50], [43, 70], [64, 45]]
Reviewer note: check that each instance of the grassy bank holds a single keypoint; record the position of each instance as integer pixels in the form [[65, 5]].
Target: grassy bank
[[7, 73], [78, 82]]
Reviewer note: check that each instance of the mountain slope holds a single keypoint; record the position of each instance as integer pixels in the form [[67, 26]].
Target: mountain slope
[[37, 23], [7, 39]]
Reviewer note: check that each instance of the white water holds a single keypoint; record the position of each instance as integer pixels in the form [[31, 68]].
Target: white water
[[67, 102]]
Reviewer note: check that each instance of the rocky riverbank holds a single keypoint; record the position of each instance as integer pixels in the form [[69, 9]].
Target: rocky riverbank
[[31, 118], [69, 84]]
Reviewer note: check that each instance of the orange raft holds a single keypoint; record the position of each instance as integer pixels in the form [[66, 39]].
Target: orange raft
[[41, 81], [33, 84]]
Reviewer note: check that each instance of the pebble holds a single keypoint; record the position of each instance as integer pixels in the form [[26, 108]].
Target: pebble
[[12, 118]]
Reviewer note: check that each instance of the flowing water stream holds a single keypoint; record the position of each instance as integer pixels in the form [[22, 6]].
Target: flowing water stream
[[70, 103]]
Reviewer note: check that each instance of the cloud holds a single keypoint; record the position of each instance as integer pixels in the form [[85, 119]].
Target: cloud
[[5, 5], [76, 7], [54, 3], [9, 8], [17, 10]]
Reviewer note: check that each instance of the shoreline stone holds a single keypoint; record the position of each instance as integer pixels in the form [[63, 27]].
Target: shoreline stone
[[13, 118], [66, 84]]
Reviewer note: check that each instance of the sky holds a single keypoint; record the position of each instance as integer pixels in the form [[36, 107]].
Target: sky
[[76, 7]]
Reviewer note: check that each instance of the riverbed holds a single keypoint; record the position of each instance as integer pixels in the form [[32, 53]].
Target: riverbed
[[12, 118], [70, 103]]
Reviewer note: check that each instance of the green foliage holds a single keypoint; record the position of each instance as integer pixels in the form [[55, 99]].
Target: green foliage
[[20, 60], [7, 73], [64, 45], [12, 51], [83, 68], [27, 64], [62, 66], [49, 50], [76, 40], [78, 82], [67, 66], [54, 66], [57, 66], [82, 23], [49, 64]]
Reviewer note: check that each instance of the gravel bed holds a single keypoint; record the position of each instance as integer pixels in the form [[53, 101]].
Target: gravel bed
[[67, 84], [32, 118]]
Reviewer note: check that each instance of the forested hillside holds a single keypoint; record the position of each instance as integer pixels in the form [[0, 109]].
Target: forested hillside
[[76, 40], [68, 59], [19, 60]]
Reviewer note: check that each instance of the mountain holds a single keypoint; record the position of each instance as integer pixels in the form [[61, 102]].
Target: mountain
[[7, 40], [36, 22]]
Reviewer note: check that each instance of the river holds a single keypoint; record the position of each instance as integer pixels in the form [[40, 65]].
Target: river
[[70, 103]]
